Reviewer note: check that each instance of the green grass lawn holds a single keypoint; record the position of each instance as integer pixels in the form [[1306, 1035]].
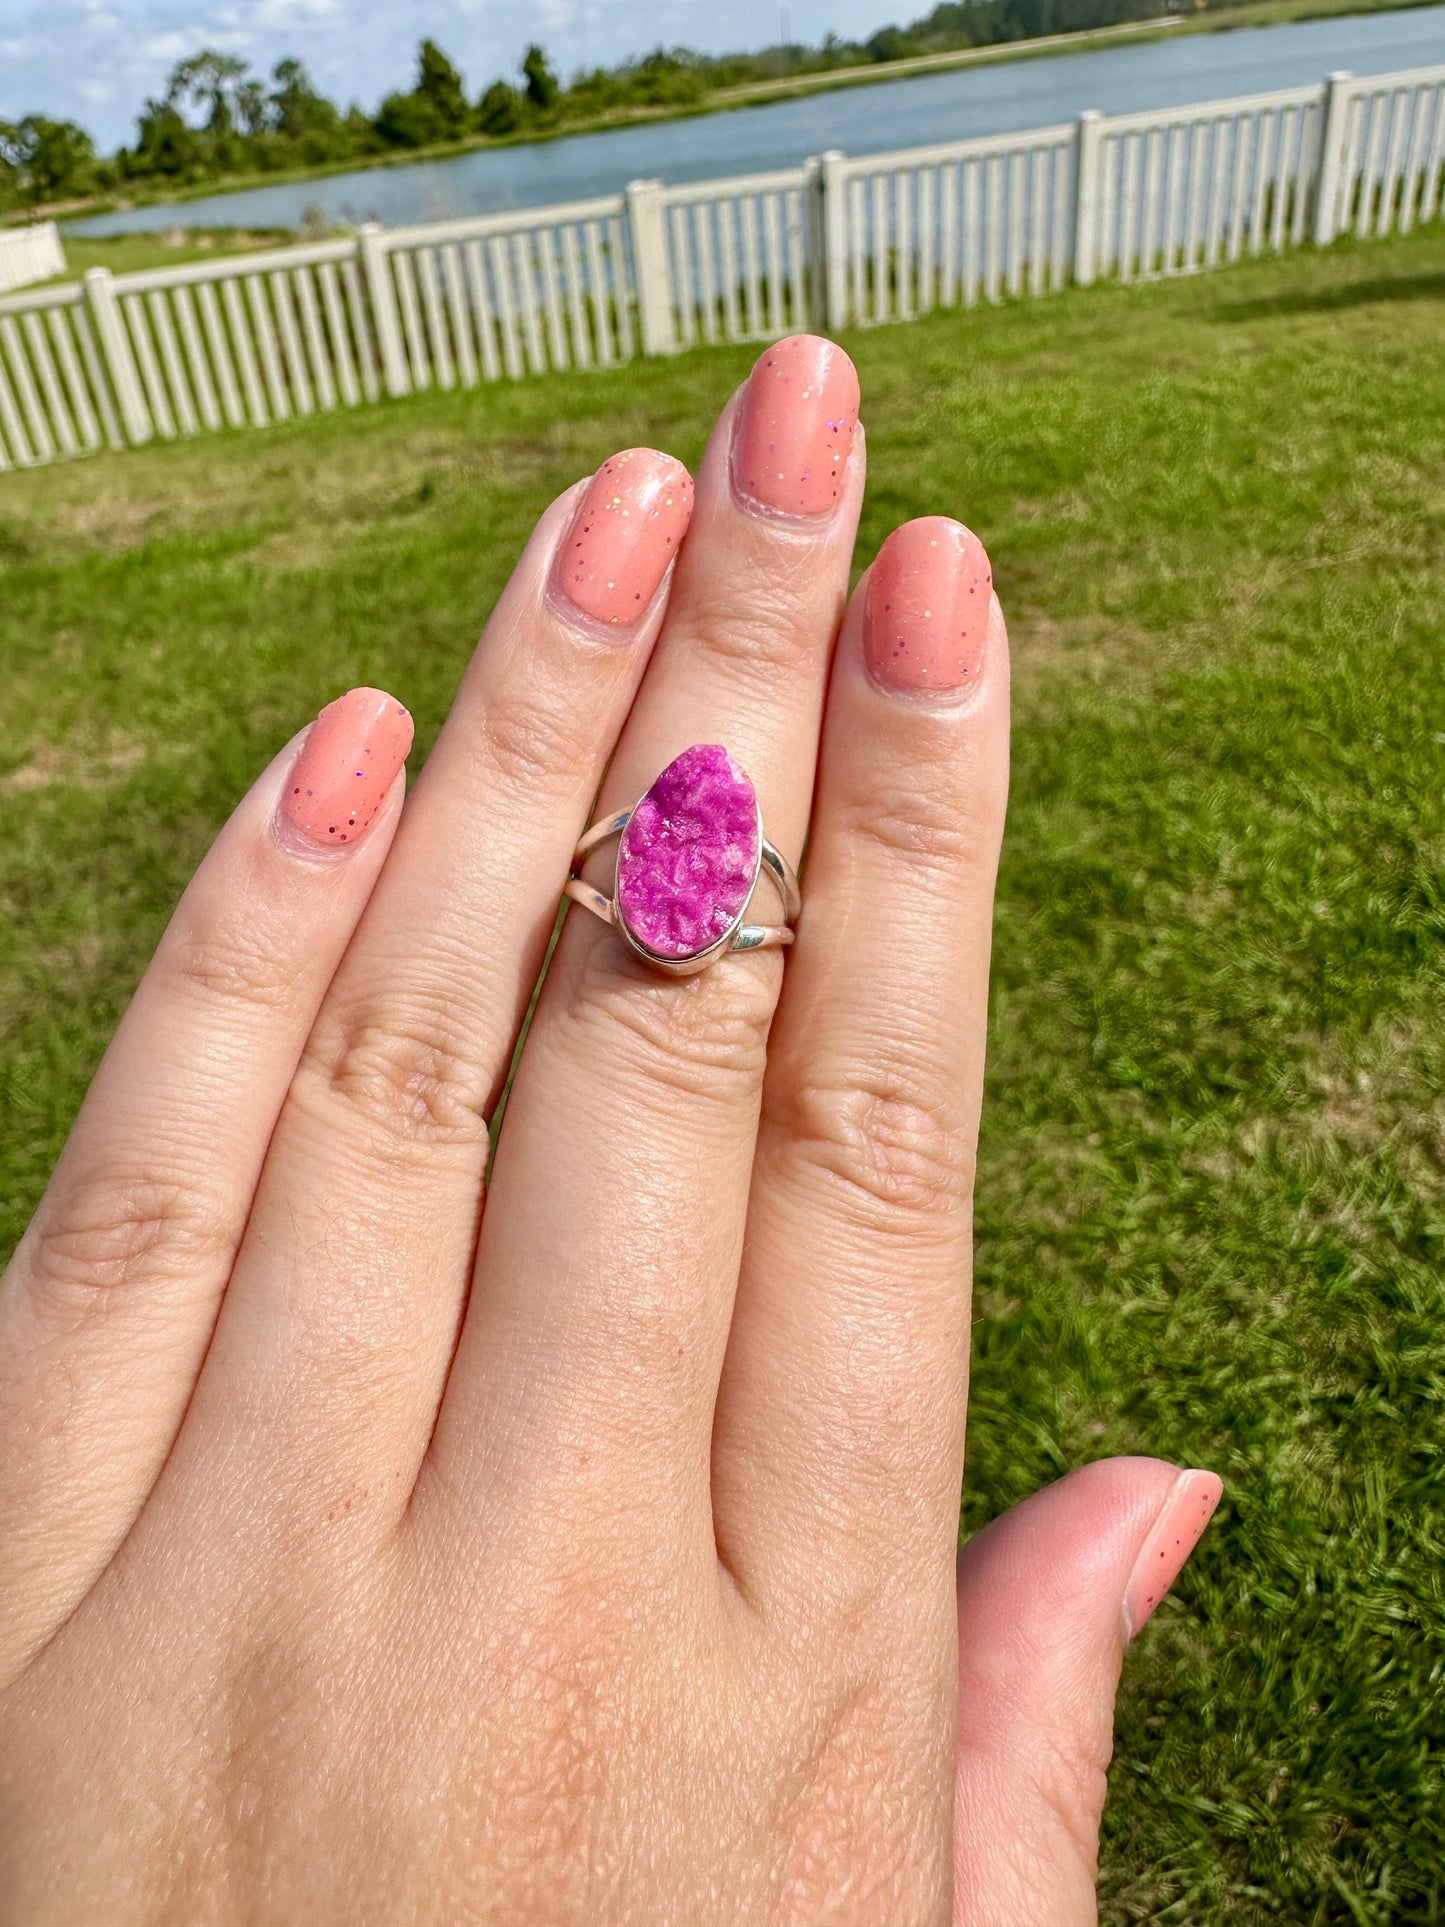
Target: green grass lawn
[[1211, 1204], [133, 253]]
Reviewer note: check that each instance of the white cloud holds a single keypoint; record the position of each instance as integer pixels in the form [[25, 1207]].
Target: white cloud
[[290, 13], [166, 46]]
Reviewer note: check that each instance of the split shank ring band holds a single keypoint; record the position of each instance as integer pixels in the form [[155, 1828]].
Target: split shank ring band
[[689, 858]]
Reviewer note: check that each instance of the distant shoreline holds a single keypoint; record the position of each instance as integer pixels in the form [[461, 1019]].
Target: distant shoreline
[[759, 93], [754, 93]]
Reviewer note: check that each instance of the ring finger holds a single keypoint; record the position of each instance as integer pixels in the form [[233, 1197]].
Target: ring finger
[[838, 1445]]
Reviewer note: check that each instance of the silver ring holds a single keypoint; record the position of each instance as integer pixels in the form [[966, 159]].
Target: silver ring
[[690, 855]]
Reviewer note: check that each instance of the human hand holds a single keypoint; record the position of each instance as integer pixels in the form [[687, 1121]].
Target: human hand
[[365, 1556]]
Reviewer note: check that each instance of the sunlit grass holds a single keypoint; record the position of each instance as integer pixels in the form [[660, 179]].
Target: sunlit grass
[[173, 248], [1211, 1202]]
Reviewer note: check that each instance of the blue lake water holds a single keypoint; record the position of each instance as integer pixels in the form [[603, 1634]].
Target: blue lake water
[[990, 99]]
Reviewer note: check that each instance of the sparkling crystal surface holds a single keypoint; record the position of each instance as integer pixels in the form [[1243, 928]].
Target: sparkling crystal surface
[[689, 856]]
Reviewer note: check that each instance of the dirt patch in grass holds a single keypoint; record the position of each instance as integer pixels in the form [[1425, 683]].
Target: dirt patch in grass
[[309, 494], [1099, 647], [113, 522], [1389, 1089], [74, 765], [294, 551]]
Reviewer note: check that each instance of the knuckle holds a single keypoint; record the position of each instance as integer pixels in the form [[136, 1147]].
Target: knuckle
[[774, 630], [233, 967], [534, 747], [403, 1079], [886, 1136], [703, 1036], [926, 825], [123, 1230]]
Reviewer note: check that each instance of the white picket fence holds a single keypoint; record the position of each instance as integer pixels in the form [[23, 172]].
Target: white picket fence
[[28, 254], [256, 338]]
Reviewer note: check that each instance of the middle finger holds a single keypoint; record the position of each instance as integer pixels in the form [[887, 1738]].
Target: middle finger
[[609, 1254]]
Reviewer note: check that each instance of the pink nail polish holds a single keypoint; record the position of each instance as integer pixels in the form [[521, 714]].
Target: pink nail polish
[[1174, 1535], [347, 764], [928, 601], [624, 535], [799, 411]]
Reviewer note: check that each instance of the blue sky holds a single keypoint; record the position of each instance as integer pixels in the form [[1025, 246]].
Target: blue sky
[[95, 60]]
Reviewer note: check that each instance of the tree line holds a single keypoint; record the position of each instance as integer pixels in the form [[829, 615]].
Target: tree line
[[217, 120]]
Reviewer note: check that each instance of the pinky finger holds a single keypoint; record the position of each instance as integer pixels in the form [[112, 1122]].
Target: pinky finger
[[108, 1304]]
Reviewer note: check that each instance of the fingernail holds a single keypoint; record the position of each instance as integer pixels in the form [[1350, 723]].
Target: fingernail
[[928, 598], [1173, 1536], [799, 411], [624, 535], [347, 764]]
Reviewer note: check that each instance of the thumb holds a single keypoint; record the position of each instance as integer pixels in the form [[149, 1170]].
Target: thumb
[[1048, 1595]]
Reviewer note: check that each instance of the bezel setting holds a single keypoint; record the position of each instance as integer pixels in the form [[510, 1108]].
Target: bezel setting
[[738, 935], [692, 961]]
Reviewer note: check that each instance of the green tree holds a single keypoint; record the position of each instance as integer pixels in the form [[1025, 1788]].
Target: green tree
[[406, 120], [543, 87], [62, 158], [662, 80], [252, 107], [12, 182], [890, 43], [209, 80], [303, 116], [358, 131], [294, 102], [44, 160], [499, 111], [440, 86], [164, 143]]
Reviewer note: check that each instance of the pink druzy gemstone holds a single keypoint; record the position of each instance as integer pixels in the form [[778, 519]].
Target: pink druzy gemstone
[[689, 855]]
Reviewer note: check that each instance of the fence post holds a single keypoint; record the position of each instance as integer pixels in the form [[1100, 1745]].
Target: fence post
[[383, 309], [115, 353], [1334, 137], [649, 259], [815, 244], [831, 228], [1088, 187]]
